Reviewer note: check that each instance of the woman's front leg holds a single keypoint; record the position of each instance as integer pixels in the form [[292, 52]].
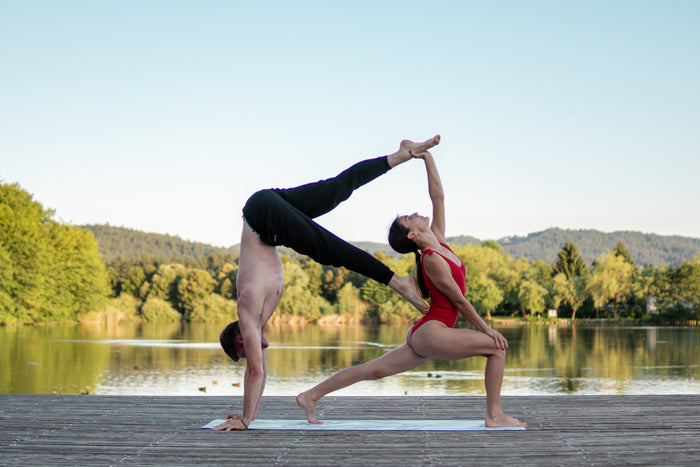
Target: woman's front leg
[[397, 361]]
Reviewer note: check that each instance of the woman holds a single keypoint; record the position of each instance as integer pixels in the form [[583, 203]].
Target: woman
[[441, 277], [275, 217]]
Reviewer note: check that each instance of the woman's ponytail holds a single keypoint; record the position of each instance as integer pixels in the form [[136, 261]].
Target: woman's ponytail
[[424, 291]]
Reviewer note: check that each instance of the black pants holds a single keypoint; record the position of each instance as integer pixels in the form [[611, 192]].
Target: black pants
[[284, 217]]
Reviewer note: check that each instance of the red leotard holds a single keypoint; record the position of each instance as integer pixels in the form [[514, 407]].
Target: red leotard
[[441, 308]]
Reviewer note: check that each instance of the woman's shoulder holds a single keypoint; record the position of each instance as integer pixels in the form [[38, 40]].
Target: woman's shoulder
[[430, 256]]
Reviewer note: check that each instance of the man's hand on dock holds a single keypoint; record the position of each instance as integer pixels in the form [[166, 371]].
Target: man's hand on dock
[[231, 424]]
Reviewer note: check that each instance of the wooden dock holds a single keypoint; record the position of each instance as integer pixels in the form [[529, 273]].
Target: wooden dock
[[139, 430]]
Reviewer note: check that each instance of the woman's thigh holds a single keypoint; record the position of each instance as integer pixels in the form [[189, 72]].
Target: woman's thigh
[[401, 359], [435, 340]]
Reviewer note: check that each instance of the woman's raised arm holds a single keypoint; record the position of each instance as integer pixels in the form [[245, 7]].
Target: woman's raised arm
[[437, 195]]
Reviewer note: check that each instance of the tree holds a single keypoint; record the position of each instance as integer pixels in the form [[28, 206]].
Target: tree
[[133, 282], [483, 264], [687, 282], [611, 279], [213, 309], [332, 280], [315, 272], [678, 288], [164, 283], [226, 281], [569, 261], [570, 290], [621, 251], [51, 271], [532, 297], [349, 302], [78, 282], [158, 310], [297, 300], [195, 285]]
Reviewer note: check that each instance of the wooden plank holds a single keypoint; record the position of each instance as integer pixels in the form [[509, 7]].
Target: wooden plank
[[579, 430]]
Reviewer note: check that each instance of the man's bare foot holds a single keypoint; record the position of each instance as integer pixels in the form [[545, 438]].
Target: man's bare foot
[[407, 147], [502, 420], [407, 287], [309, 406]]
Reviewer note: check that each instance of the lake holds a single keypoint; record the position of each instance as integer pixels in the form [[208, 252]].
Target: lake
[[185, 359]]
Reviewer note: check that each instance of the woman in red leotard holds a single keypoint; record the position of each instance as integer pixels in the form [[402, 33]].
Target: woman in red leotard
[[441, 277]]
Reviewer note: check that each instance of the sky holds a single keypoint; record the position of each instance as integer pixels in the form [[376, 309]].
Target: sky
[[165, 116]]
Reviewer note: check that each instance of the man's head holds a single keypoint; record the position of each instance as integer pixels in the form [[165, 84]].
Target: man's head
[[232, 341]]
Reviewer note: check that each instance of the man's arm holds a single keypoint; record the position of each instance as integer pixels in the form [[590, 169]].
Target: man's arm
[[262, 386], [255, 375]]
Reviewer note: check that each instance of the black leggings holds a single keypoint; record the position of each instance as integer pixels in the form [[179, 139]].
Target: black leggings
[[284, 217]]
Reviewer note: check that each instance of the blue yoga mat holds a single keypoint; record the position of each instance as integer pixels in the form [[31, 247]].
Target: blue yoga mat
[[369, 425]]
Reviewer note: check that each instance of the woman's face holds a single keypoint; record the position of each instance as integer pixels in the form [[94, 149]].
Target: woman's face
[[415, 222]]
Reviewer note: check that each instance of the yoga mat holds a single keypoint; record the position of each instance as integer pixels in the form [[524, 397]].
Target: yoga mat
[[370, 425]]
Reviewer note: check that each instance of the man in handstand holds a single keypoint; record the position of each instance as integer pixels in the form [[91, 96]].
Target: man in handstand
[[285, 217]]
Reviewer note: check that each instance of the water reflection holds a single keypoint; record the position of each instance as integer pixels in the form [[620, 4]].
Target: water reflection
[[178, 359]]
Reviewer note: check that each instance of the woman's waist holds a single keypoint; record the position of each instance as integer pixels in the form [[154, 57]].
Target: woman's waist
[[447, 315]]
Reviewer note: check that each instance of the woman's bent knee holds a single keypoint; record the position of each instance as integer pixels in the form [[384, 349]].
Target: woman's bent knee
[[498, 353]]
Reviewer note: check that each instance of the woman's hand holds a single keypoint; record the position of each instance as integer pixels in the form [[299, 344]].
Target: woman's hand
[[498, 339], [420, 155]]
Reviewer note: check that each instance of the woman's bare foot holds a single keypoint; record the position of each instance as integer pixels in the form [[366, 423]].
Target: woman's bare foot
[[502, 420], [309, 406], [407, 287], [407, 147]]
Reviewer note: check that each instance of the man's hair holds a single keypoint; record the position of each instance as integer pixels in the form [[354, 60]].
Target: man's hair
[[227, 338]]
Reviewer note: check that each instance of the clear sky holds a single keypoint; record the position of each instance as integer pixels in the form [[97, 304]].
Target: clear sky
[[164, 116]]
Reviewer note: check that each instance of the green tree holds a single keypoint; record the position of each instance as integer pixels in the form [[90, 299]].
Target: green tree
[[165, 281], [158, 310], [297, 300], [195, 285], [569, 261], [6, 277], [396, 311], [51, 271], [213, 309], [621, 251], [115, 284], [569, 290], [315, 272], [349, 302], [483, 264], [532, 297], [78, 282], [678, 288], [226, 281], [611, 279], [331, 281], [133, 281], [24, 228], [688, 283]]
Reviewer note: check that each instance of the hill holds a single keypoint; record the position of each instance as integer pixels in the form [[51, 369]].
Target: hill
[[644, 248], [129, 243]]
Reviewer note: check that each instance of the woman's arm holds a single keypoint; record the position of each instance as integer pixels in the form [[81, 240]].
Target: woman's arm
[[437, 195], [440, 274]]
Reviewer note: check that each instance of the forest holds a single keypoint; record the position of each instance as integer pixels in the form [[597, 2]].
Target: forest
[[52, 272]]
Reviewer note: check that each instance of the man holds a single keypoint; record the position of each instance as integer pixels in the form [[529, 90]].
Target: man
[[285, 217]]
